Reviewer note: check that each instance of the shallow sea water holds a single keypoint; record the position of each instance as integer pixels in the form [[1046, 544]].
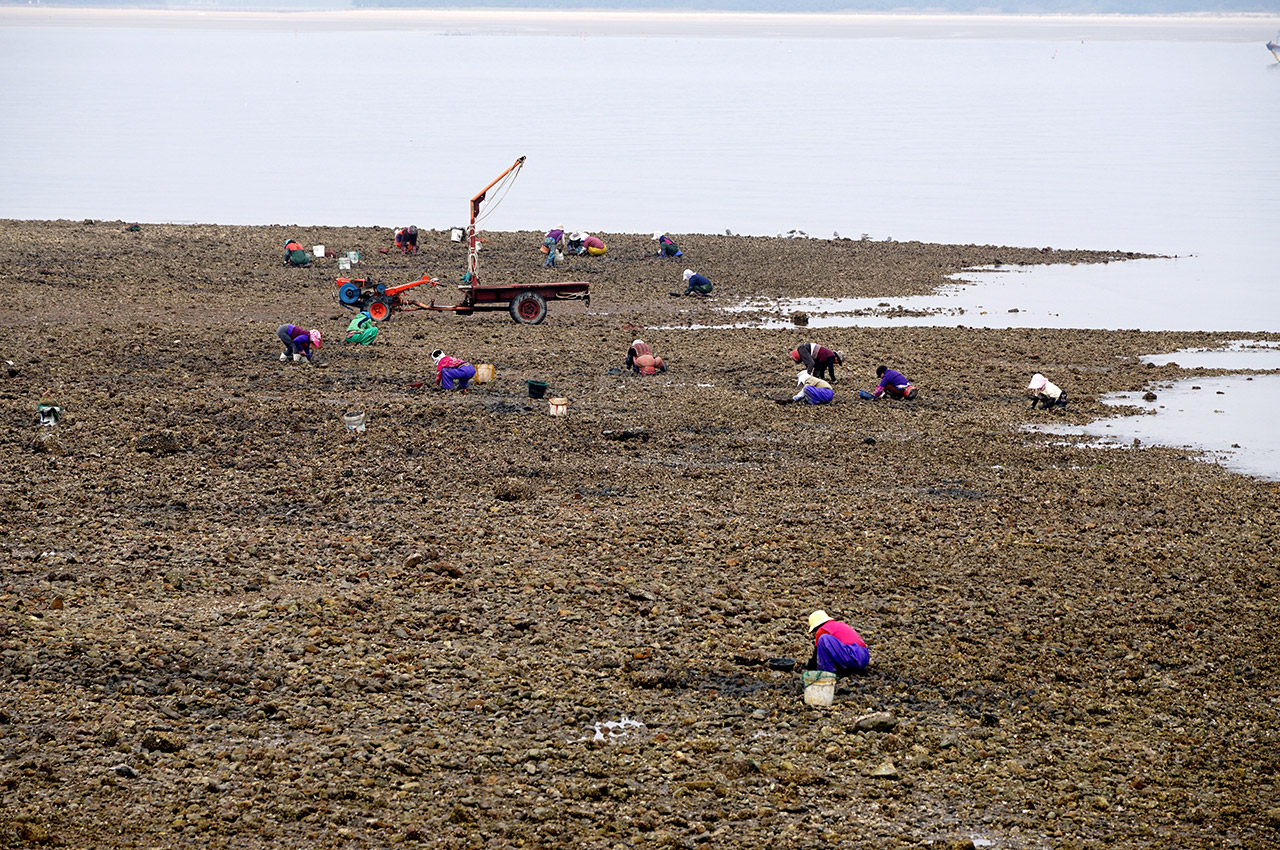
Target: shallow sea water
[[1230, 420]]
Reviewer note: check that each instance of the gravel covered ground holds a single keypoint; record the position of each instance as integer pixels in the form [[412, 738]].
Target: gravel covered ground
[[226, 622]]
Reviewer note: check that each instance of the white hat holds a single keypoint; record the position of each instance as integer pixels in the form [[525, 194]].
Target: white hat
[[576, 237], [1038, 382], [636, 342], [802, 378], [688, 273], [817, 618], [437, 354], [657, 236]]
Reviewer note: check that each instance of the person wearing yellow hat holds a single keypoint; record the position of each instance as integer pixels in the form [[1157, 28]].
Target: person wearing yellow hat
[[837, 648]]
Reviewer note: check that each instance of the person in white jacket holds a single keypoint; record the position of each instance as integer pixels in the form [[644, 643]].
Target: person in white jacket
[[1045, 393]]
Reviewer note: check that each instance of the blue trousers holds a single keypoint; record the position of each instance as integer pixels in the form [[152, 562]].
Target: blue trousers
[[841, 658], [818, 395], [458, 374]]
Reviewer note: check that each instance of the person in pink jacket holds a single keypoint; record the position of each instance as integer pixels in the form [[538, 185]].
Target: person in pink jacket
[[452, 372], [837, 648]]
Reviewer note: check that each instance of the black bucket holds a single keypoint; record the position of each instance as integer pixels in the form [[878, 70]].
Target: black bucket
[[537, 389]]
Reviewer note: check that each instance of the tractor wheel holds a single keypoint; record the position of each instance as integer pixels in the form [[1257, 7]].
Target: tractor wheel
[[379, 309], [528, 308], [348, 293]]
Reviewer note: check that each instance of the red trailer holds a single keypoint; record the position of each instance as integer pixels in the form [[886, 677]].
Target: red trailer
[[527, 302]]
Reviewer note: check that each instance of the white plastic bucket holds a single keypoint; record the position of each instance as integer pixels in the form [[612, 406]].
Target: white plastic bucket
[[354, 421], [318, 250], [344, 263], [559, 406], [820, 692], [455, 235], [353, 256]]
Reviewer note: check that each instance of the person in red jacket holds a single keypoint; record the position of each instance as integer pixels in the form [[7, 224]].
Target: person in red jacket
[[406, 239], [452, 372], [837, 648], [817, 359]]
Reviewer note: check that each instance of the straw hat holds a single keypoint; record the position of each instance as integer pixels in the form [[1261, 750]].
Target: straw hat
[[688, 273], [817, 618]]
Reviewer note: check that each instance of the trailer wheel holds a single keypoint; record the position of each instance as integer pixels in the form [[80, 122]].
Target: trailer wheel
[[379, 309], [528, 308]]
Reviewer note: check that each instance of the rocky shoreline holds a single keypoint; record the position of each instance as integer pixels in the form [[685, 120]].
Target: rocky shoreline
[[227, 620]]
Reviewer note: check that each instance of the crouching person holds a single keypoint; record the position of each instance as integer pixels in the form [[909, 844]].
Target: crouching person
[[642, 361], [813, 390], [299, 342], [452, 372], [1045, 393], [362, 330], [893, 383], [837, 647]]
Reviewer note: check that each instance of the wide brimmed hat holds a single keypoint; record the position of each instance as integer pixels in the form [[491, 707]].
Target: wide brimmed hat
[[437, 354], [688, 273], [817, 618], [1038, 382], [657, 236], [576, 237]]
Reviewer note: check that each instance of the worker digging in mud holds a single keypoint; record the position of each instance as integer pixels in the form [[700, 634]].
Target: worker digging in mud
[[362, 330], [695, 284], [586, 244], [837, 647], [893, 383], [552, 243], [299, 342], [295, 254], [812, 391], [1046, 393], [817, 359], [667, 246], [406, 239], [451, 372], [641, 359]]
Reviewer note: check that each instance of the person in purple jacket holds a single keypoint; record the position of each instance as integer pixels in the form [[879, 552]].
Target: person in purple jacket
[[892, 382], [837, 648], [299, 342]]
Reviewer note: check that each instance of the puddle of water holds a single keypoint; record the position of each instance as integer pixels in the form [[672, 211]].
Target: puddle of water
[[609, 729], [1237, 354], [1230, 419]]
